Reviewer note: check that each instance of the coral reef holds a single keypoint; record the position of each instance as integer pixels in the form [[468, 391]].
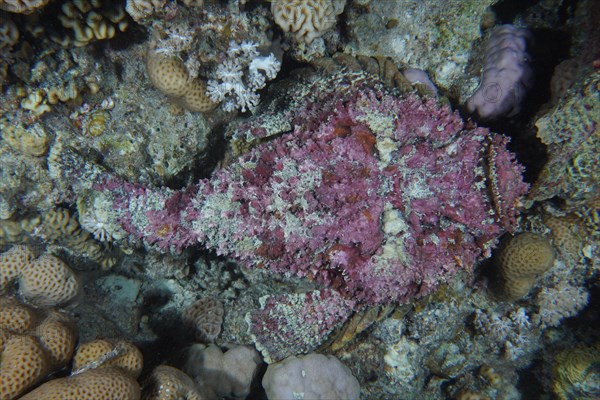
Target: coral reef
[[433, 36], [375, 170], [331, 196], [559, 302]]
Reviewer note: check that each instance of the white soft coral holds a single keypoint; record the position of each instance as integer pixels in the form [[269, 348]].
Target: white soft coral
[[240, 76]]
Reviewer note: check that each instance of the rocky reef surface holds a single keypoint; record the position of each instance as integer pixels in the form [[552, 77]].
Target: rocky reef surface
[[249, 199]]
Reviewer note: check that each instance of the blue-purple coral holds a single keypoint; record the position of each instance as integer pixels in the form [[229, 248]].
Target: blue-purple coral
[[507, 74]]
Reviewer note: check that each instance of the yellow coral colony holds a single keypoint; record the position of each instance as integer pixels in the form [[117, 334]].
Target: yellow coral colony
[[170, 76], [46, 281], [33, 343], [102, 369], [522, 260]]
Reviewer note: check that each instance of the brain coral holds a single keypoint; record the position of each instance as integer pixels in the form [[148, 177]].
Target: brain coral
[[306, 19]]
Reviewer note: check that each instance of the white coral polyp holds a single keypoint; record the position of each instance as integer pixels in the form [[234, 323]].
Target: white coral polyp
[[269, 65], [246, 48], [240, 76], [230, 71]]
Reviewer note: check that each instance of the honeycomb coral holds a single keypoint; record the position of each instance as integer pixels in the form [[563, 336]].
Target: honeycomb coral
[[168, 383], [170, 76], [109, 353], [167, 74], [522, 259], [15, 317], [196, 99], [48, 281], [306, 19], [57, 336], [32, 344], [97, 384], [12, 263], [23, 364]]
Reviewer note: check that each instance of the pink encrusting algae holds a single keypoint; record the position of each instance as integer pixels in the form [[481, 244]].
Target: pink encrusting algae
[[377, 196]]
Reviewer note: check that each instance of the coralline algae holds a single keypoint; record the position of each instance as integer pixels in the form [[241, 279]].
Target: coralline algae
[[377, 196]]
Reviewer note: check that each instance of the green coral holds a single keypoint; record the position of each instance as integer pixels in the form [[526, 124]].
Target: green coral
[[576, 374], [570, 130]]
